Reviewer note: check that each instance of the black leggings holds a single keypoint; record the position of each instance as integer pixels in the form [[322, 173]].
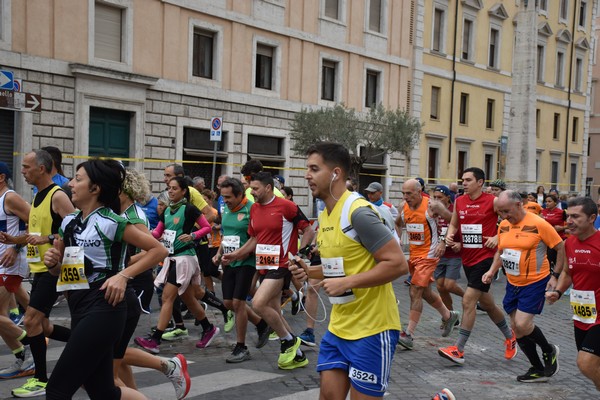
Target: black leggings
[[88, 357]]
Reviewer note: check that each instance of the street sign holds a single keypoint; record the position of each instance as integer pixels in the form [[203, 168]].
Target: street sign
[[20, 101], [18, 85], [216, 128], [7, 81]]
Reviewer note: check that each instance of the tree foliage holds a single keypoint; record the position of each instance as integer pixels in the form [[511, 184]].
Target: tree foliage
[[378, 132]]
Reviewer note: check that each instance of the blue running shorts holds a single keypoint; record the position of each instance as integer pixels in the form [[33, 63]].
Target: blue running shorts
[[529, 299], [368, 361]]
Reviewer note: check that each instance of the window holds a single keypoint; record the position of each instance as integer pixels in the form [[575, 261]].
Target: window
[[582, 13], [332, 9], [432, 164], [489, 119], [538, 113], [575, 129], [266, 145], [560, 67], [203, 54], [371, 98], [464, 109], [199, 140], [437, 41], [543, 5], [494, 45], [467, 39], [461, 163], [554, 173], [573, 177], [556, 128], [375, 12], [578, 74], [108, 26], [435, 103], [264, 67], [564, 10], [541, 50], [488, 165], [328, 72]]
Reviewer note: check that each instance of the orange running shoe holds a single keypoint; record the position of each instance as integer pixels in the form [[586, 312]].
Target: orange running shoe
[[453, 354], [511, 347]]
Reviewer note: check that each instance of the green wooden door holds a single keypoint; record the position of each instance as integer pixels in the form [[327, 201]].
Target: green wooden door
[[109, 133]]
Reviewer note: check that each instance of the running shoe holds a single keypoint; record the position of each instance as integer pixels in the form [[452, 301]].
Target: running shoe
[[551, 361], [207, 337], [273, 336], [229, 321], [19, 368], [179, 377], [263, 336], [289, 349], [532, 375], [453, 354], [444, 394], [405, 340], [169, 328], [148, 343], [17, 318], [239, 354], [298, 362], [510, 347], [308, 338], [32, 388], [450, 323], [296, 303], [175, 334]]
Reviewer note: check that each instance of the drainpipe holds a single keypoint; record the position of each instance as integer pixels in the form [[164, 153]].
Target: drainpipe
[[451, 131], [570, 86]]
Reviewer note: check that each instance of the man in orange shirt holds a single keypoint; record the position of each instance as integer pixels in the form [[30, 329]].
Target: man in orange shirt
[[530, 205], [425, 253], [523, 238]]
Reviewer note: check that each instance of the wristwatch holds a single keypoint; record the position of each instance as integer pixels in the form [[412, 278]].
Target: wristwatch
[[556, 274], [51, 238]]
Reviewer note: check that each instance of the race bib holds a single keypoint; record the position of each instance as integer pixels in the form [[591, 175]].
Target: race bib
[[334, 268], [583, 304], [168, 240], [510, 261], [33, 253], [472, 236], [267, 256], [416, 234], [230, 244], [72, 272], [443, 233]]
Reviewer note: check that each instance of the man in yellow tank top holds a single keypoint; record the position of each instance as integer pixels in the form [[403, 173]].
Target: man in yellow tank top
[[50, 205], [360, 259]]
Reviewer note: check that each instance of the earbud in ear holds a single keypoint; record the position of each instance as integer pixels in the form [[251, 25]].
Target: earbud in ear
[[334, 176]]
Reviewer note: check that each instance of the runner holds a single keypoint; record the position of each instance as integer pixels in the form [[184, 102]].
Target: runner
[[475, 220], [424, 250], [522, 241], [95, 282], [359, 264], [448, 269], [237, 275], [273, 231], [50, 206], [583, 253], [180, 273]]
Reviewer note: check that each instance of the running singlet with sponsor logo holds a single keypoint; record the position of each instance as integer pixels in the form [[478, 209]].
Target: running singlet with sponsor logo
[[374, 310], [554, 217], [476, 222], [583, 261], [524, 249], [12, 225], [442, 230], [421, 229], [98, 235], [235, 232], [275, 224], [42, 220]]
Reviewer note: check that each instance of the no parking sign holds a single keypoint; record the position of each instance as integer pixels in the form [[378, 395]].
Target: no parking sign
[[216, 128]]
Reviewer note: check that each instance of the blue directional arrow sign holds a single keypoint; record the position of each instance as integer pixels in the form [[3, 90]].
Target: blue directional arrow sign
[[7, 80]]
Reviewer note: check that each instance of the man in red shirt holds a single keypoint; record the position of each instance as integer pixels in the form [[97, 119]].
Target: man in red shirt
[[273, 231], [583, 253], [475, 219]]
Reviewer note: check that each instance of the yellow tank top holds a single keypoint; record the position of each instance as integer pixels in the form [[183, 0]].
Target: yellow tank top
[[40, 222], [374, 309]]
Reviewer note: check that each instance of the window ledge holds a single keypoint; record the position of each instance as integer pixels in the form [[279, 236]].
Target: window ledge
[[333, 21], [100, 72]]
